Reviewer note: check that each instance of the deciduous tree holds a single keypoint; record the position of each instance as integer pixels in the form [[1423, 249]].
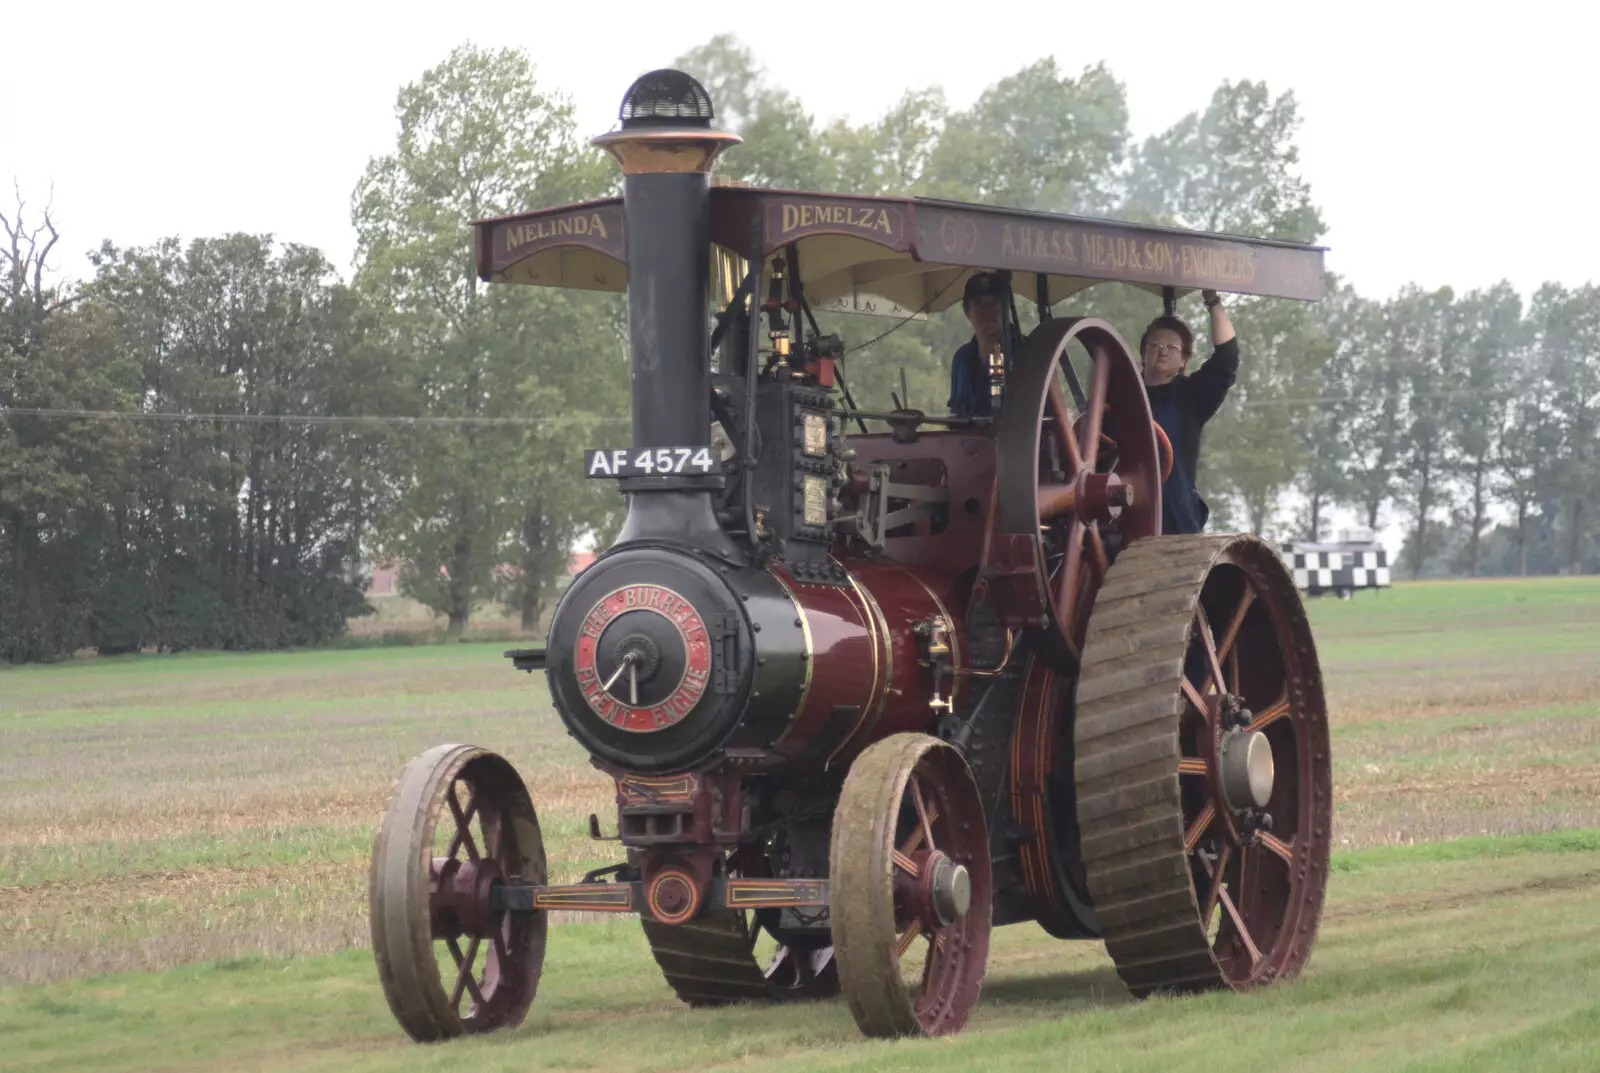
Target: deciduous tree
[[478, 137]]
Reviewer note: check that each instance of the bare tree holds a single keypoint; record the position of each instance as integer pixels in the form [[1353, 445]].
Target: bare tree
[[24, 248]]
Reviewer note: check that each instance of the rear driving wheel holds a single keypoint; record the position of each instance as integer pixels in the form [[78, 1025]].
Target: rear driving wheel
[[909, 888], [1203, 770]]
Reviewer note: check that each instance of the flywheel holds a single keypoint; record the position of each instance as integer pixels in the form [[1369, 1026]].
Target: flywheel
[[1071, 489], [1204, 787]]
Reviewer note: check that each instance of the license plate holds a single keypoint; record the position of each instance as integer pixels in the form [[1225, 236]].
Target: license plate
[[650, 462]]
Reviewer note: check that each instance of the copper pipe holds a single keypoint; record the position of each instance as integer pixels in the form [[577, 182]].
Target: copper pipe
[[968, 672], [1056, 500]]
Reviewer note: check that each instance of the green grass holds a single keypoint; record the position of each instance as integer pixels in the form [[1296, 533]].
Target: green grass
[[1483, 955], [184, 841]]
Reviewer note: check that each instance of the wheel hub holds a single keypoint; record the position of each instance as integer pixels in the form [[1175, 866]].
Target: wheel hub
[[949, 889], [1246, 769], [1101, 497], [461, 901]]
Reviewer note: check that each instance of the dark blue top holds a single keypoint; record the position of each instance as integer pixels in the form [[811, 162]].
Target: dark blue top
[[969, 379], [969, 383], [1181, 408]]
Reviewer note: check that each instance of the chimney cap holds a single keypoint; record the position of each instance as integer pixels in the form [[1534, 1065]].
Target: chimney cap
[[666, 98]]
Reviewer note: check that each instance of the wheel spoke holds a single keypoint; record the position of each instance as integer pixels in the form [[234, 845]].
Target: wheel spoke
[[935, 952], [1279, 846], [502, 951], [1192, 765], [915, 839], [464, 978], [1271, 715], [1244, 859], [1216, 885], [1097, 552], [906, 864], [1196, 699], [463, 824], [1063, 427], [907, 938], [922, 810], [1066, 589], [1198, 827], [1225, 648], [1238, 922], [1214, 665], [1094, 409]]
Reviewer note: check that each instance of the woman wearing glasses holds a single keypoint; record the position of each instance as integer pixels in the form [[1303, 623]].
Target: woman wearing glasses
[[1182, 404]]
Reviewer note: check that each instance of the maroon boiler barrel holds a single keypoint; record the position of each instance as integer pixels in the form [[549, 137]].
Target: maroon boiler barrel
[[867, 676]]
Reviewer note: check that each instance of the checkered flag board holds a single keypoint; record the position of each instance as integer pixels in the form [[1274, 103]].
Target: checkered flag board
[[1324, 568]]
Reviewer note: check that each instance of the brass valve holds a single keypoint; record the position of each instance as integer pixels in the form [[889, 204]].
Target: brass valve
[[933, 634]]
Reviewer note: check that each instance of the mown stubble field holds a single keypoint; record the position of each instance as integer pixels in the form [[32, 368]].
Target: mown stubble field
[[164, 812]]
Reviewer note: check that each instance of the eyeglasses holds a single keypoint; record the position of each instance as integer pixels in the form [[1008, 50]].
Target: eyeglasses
[[1159, 349]]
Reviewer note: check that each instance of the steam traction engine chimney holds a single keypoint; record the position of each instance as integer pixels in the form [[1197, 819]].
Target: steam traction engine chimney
[[666, 148]]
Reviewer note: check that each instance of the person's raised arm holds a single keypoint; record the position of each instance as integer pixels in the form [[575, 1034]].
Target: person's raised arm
[[1221, 326], [1210, 383]]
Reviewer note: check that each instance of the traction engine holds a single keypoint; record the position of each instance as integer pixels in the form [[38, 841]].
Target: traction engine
[[868, 695]]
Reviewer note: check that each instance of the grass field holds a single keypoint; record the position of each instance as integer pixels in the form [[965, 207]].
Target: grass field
[[183, 843]]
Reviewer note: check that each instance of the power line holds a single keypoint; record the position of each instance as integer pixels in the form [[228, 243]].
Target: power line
[[400, 420], [1324, 400], [298, 419]]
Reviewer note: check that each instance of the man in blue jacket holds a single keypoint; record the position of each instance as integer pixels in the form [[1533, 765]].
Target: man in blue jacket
[[1182, 404], [984, 303]]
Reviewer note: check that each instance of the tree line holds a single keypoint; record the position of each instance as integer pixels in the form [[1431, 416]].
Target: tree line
[[205, 444]]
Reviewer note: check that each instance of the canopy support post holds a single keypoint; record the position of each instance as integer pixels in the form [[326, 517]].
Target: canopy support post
[[752, 370], [1169, 301]]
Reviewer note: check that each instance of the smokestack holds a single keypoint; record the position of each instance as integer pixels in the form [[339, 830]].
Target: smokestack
[[666, 149]]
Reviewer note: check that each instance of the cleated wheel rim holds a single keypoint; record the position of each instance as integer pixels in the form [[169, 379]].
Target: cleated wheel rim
[[910, 889], [1204, 809], [459, 825]]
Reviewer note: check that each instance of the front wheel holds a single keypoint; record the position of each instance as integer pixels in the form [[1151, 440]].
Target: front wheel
[[459, 826], [909, 884]]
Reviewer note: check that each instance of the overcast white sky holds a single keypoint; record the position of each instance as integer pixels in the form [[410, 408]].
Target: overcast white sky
[[1446, 144]]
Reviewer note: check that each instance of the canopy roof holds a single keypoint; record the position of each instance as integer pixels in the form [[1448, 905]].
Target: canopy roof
[[904, 256]]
